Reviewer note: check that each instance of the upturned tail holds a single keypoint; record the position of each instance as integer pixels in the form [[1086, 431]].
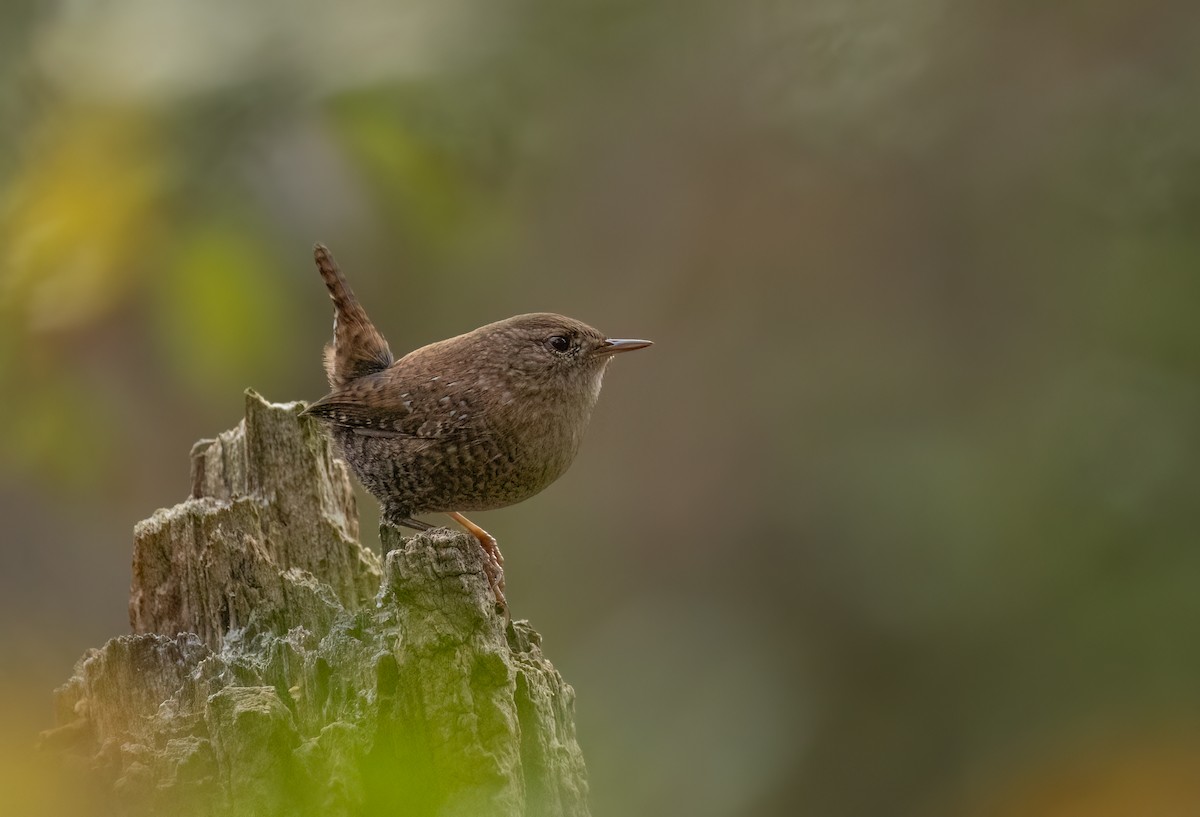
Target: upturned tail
[[357, 348]]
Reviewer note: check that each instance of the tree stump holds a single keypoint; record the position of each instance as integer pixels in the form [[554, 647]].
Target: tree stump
[[278, 667]]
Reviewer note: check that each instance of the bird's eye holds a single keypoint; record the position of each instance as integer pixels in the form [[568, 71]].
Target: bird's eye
[[559, 343]]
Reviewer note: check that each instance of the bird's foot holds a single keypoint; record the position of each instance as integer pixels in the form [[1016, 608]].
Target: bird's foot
[[493, 559], [486, 540]]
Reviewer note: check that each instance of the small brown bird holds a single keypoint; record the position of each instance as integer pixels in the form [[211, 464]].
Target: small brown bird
[[474, 422]]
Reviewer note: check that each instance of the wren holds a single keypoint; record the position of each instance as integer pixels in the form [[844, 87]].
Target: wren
[[474, 422]]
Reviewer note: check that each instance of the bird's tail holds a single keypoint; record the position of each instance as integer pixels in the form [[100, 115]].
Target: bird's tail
[[357, 348]]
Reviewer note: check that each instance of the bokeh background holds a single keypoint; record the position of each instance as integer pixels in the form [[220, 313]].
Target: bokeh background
[[900, 514]]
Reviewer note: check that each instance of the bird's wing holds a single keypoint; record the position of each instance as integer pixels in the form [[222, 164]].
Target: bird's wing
[[383, 406]]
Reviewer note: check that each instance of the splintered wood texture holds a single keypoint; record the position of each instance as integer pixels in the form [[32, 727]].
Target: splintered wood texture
[[270, 525], [278, 667]]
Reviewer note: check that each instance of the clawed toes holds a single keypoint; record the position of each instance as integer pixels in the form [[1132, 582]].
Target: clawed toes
[[495, 577]]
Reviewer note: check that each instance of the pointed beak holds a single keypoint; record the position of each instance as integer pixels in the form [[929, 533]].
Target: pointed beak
[[613, 345]]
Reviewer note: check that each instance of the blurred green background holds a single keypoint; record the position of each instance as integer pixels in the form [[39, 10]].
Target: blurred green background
[[900, 514]]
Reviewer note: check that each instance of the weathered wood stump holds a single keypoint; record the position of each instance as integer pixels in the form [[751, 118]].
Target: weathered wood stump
[[278, 667]]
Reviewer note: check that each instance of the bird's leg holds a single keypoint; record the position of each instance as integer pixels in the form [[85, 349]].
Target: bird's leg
[[485, 539], [415, 524], [493, 562]]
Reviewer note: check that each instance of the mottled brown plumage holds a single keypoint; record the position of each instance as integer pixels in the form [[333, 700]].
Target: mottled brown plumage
[[474, 422]]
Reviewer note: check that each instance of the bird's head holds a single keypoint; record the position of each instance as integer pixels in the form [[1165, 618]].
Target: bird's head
[[554, 351]]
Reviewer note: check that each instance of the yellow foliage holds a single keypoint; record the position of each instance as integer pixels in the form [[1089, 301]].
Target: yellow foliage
[[78, 213]]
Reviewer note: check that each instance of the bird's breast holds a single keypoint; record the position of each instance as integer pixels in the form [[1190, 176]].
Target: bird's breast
[[525, 445]]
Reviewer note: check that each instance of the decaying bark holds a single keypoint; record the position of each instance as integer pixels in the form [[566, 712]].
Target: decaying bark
[[278, 667]]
